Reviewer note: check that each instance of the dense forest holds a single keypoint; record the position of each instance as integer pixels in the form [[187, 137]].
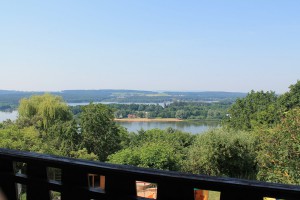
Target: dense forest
[[179, 110], [259, 139]]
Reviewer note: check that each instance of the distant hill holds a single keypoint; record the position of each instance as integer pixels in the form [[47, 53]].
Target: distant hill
[[208, 95], [123, 96], [8, 92]]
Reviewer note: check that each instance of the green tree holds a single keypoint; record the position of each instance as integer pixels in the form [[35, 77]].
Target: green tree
[[291, 99], [99, 131], [30, 139], [279, 155], [180, 114], [83, 154], [64, 136], [43, 111], [26, 139], [256, 109], [48, 123]]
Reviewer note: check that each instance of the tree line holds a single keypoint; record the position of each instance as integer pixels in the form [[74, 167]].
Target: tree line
[[178, 109]]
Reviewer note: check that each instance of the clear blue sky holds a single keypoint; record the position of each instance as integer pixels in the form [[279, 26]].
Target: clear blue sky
[[150, 45]]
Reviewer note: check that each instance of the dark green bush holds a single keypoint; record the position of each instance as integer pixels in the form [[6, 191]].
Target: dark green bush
[[223, 153]]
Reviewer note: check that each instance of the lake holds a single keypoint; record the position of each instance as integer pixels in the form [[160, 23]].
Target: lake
[[193, 127], [8, 115], [190, 126]]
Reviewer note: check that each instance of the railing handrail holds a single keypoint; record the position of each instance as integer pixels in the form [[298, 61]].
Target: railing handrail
[[165, 179]]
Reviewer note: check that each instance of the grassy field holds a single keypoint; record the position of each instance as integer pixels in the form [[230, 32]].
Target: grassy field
[[213, 195]]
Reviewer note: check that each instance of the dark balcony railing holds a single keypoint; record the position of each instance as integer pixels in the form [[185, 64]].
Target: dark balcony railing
[[120, 181]]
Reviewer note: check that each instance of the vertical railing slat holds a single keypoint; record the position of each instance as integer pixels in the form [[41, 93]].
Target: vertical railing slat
[[120, 186], [37, 190], [167, 190], [6, 183], [74, 184]]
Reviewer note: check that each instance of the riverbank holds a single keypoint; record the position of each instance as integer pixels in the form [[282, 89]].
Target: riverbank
[[149, 120]]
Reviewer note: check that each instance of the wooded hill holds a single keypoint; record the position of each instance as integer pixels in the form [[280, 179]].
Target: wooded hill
[[10, 97]]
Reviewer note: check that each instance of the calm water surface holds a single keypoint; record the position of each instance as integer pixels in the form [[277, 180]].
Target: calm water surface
[[191, 127], [8, 115]]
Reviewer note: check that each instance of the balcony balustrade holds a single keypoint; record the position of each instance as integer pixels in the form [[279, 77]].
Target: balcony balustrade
[[86, 180]]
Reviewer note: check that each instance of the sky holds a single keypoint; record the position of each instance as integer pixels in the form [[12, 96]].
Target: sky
[[186, 45]]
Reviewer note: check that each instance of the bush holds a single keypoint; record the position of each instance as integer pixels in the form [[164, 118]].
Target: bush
[[159, 149], [223, 153], [159, 155]]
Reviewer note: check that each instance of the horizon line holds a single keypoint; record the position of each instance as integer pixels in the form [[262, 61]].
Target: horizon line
[[158, 91]]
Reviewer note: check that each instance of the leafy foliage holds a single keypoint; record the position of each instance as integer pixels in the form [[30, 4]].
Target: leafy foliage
[[45, 124], [65, 137], [43, 111], [27, 139], [160, 149], [275, 122], [256, 109], [83, 154], [99, 131], [180, 110], [159, 155], [291, 99], [223, 153], [279, 157]]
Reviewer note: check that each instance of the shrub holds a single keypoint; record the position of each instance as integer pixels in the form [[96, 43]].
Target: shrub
[[223, 153]]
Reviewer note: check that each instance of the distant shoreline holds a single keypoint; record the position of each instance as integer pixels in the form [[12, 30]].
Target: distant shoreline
[[148, 120]]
